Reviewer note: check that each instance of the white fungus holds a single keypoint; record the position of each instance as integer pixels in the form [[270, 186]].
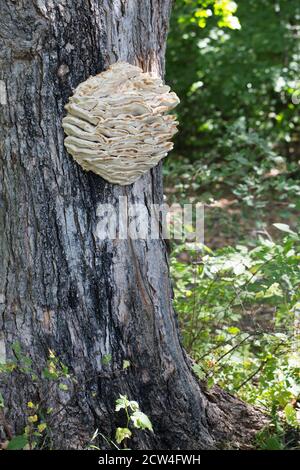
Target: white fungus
[[117, 125]]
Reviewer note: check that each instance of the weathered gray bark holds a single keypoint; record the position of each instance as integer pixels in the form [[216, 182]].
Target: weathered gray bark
[[61, 288]]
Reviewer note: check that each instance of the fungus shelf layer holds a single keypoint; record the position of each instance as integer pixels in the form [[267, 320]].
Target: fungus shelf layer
[[117, 123]]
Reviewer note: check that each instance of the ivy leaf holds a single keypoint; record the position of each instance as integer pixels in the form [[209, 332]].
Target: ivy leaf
[[17, 443], [141, 421], [121, 434]]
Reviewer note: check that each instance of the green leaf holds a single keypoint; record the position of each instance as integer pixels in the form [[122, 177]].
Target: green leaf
[[141, 421], [133, 405], [126, 364], [233, 330], [273, 443], [198, 371], [210, 382], [239, 268], [16, 347], [64, 369], [42, 427], [291, 415], [284, 228], [106, 359], [33, 419], [95, 435], [274, 289], [122, 433], [122, 403], [50, 375], [17, 443], [63, 387]]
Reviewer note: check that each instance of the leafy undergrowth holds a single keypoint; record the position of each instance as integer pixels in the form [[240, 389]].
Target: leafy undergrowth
[[239, 311], [237, 296], [237, 152], [245, 190]]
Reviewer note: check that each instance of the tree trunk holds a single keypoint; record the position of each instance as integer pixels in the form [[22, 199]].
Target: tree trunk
[[94, 304]]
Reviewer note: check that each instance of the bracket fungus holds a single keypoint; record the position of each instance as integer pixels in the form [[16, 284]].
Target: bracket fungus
[[116, 123]]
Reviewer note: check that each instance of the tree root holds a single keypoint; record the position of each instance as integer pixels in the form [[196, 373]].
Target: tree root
[[233, 423]]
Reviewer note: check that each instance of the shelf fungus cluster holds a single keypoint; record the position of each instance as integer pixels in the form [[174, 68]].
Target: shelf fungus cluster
[[117, 123]]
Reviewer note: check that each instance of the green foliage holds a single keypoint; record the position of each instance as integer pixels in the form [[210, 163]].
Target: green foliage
[[197, 13], [274, 436], [222, 74], [290, 415], [135, 419], [38, 417], [122, 403], [106, 359], [134, 415], [122, 434], [238, 152], [141, 421], [126, 364], [1, 401], [57, 378], [243, 165], [56, 370], [17, 443], [269, 440], [239, 310], [34, 432]]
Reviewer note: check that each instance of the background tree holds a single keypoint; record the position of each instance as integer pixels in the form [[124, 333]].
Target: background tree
[[93, 304]]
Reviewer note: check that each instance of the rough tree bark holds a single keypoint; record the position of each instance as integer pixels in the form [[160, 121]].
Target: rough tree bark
[[63, 289]]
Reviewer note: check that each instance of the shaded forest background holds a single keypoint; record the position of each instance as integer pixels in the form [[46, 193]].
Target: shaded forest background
[[235, 67]]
